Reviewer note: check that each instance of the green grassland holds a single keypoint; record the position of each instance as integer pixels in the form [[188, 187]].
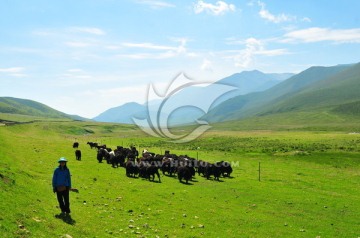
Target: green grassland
[[309, 183]]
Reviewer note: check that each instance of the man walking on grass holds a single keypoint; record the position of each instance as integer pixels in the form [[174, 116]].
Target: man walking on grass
[[61, 183]]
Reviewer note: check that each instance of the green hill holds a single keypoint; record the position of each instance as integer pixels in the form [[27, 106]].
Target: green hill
[[31, 108], [313, 88], [339, 91]]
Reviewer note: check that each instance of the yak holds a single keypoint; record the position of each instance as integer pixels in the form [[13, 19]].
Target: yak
[[151, 170], [213, 169], [225, 168], [148, 170], [132, 169], [92, 144], [168, 166], [184, 172], [78, 154]]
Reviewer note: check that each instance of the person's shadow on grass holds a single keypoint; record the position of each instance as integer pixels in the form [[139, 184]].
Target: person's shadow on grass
[[66, 218]]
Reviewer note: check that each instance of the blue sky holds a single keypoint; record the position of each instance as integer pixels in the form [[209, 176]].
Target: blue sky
[[86, 56]]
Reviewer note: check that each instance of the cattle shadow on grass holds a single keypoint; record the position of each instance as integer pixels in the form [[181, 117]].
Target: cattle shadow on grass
[[170, 176], [155, 181], [150, 180], [188, 183], [66, 218], [215, 180]]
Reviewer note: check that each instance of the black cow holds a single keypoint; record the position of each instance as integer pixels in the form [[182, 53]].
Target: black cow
[[78, 154], [151, 170], [146, 154], [225, 168], [184, 172], [142, 169], [118, 160], [201, 167], [169, 166], [92, 144], [132, 169], [76, 145], [134, 151], [98, 147], [100, 155], [213, 169]]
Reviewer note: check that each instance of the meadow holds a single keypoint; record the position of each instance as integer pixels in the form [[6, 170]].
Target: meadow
[[307, 186]]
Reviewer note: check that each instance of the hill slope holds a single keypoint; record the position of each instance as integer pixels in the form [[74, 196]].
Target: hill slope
[[31, 108], [123, 114], [260, 103], [339, 91]]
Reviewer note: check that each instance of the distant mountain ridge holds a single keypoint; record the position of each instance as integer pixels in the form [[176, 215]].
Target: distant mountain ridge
[[189, 102], [123, 113], [318, 91]]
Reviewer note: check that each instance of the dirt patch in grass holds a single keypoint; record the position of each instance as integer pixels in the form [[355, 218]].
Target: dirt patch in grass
[[6, 179]]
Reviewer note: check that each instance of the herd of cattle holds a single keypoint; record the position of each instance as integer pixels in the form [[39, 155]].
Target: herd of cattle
[[148, 164]]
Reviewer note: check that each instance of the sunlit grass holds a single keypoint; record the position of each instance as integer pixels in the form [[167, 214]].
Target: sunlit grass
[[308, 185]]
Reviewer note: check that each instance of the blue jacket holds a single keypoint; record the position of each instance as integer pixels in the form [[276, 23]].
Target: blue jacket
[[61, 177]]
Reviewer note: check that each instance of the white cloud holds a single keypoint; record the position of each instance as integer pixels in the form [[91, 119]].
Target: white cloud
[[316, 34], [164, 55], [306, 19], [253, 47], [78, 44], [72, 30], [156, 4], [265, 14], [149, 46], [219, 8], [161, 51], [89, 30], [119, 93], [275, 52], [11, 70], [245, 57], [77, 76], [206, 65], [113, 47], [75, 70]]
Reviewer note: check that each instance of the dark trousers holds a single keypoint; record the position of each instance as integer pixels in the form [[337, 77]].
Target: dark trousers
[[63, 199]]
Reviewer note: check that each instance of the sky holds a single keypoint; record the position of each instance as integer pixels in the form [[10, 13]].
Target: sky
[[84, 57]]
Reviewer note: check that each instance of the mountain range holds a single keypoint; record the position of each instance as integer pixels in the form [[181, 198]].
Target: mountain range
[[249, 94], [314, 87], [191, 102]]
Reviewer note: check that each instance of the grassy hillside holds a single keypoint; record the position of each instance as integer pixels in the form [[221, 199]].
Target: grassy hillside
[[255, 103], [342, 88], [31, 108], [348, 108], [329, 104], [318, 119], [301, 193]]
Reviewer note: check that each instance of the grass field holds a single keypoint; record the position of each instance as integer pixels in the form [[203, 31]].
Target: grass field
[[309, 185]]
